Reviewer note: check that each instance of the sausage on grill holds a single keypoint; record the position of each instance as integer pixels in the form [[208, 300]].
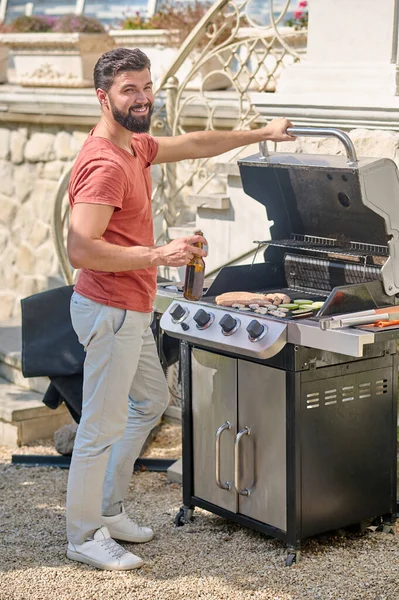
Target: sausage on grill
[[247, 298]]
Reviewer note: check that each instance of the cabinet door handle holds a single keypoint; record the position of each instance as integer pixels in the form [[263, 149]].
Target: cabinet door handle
[[237, 485], [227, 485]]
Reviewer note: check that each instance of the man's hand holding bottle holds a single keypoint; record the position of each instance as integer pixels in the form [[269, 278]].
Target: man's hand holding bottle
[[179, 252]]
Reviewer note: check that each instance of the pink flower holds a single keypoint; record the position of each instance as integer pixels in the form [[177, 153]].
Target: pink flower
[[298, 14], [303, 4]]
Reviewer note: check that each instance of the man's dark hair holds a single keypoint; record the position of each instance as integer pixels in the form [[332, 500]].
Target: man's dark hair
[[115, 61]]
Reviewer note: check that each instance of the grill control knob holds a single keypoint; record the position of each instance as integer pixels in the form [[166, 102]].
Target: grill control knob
[[203, 319], [256, 330], [228, 324], [178, 313]]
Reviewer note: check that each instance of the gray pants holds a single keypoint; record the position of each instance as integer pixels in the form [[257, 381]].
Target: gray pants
[[124, 394]]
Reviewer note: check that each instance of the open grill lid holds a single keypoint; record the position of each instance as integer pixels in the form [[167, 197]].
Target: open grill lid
[[329, 204]]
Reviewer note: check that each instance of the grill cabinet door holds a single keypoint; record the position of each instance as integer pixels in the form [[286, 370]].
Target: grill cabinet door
[[262, 452], [214, 402]]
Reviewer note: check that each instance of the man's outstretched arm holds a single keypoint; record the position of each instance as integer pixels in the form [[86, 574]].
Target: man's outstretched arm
[[203, 144]]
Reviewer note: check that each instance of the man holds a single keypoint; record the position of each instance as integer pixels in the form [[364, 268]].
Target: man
[[111, 241]]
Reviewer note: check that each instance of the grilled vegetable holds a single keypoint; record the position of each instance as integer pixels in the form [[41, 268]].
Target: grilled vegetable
[[290, 306], [302, 311]]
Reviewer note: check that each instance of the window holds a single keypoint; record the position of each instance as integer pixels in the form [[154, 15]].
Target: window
[[111, 13], [108, 12]]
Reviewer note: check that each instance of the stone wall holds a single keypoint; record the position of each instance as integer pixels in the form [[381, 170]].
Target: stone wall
[[32, 159], [368, 143]]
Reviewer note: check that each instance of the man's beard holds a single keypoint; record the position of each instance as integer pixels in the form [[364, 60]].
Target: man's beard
[[139, 124]]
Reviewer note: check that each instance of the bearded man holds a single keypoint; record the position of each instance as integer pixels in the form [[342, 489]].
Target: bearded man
[[111, 241]]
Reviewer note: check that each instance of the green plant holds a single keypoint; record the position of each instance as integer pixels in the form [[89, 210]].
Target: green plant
[[78, 23], [4, 28], [301, 17], [136, 21], [31, 24], [65, 24], [180, 18]]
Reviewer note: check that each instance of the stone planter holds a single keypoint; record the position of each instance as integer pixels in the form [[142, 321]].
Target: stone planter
[[55, 59], [153, 42]]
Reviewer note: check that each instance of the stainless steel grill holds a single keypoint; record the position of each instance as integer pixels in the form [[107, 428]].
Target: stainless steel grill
[[297, 416]]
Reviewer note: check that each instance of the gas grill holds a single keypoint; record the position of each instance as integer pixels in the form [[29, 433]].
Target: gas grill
[[289, 423]]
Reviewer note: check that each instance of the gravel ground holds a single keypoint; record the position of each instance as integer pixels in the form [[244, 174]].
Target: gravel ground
[[210, 559]]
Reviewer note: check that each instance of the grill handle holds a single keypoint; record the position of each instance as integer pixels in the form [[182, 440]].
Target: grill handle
[[237, 484], [318, 132], [227, 485]]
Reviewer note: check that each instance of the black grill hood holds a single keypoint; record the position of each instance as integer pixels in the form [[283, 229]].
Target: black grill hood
[[314, 195]]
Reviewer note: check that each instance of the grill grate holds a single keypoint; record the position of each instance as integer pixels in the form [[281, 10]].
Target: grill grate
[[330, 246], [320, 274]]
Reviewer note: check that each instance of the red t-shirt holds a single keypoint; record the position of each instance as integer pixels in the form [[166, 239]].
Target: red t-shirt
[[106, 174]]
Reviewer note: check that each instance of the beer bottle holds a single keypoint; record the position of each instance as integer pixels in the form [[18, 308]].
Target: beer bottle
[[195, 273]]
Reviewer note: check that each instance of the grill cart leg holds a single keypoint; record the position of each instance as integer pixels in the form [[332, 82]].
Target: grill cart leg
[[360, 527], [184, 516], [293, 556]]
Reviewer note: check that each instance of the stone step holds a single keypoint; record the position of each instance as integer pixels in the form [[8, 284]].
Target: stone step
[[180, 231], [10, 359], [227, 168], [209, 201], [24, 418]]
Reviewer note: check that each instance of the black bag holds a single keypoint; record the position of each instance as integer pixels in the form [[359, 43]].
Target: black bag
[[50, 347], [49, 344]]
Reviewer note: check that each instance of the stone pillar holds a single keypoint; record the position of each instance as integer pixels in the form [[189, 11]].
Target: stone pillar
[[352, 49]]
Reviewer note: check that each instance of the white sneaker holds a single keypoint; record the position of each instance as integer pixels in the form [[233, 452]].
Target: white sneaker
[[121, 527], [104, 553]]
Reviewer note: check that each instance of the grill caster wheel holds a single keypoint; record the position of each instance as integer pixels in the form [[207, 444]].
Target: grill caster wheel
[[292, 558], [184, 516]]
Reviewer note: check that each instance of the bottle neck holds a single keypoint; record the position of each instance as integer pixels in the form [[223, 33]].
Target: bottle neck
[[197, 260], [198, 244]]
